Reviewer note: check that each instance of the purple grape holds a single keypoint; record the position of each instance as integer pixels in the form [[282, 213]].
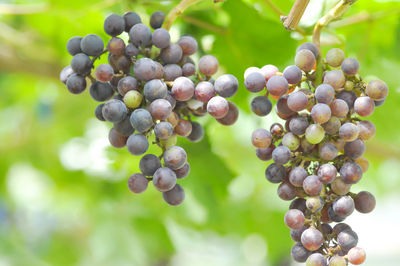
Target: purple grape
[[277, 85], [140, 35], [137, 183], [188, 44], [149, 164], [255, 82], [183, 89], [293, 74], [164, 179], [137, 144], [175, 157], [171, 54], [312, 186], [226, 85], [175, 196], [275, 173]]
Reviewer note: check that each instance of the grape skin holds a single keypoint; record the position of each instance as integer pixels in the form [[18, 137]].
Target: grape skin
[[291, 141], [348, 96], [175, 196], [339, 187], [350, 66], [163, 130], [137, 144], [321, 113], [74, 45], [81, 64], [339, 108], [171, 54], [315, 133], [137, 183], [100, 91], [114, 111], [305, 60], [348, 132], [354, 149], [183, 171], [126, 84], [366, 130], [335, 78], [131, 19], [160, 109], [131, 50], [347, 239], [364, 106], [297, 176], [188, 69], [140, 35], [155, 89], [277, 85], [175, 157], [208, 65], [316, 259], [377, 90], [164, 179], [309, 46], [161, 38], [297, 101], [327, 173], [114, 25], [172, 71], [183, 89], [99, 112], [275, 173], [145, 69], [124, 127], [149, 164], [92, 45], [197, 133], [356, 256], [334, 57], [188, 44], [261, 138], [116, 139], [364, 202], [287, 191], [324, 93], [157, 19], [294, 219], [265, 154], [298, 125], [255, 82], [283, 108], [226, 85], [293, 74], [261, 106], [231, 117], [328, 151], [141, 120], [312, 239], [104, 73], [351, 173], [268, 71], [312, 186], [281, 155], [76, 84], [116, 46], [343, 206], [299, 253], [183, 128], [218, 107], [132, 99], [204, 91]]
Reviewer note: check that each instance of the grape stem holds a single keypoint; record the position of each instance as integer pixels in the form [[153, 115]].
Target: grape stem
[[178, 10], [291, 21]]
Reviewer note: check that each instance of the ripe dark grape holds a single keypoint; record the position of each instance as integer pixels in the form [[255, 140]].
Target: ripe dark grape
[[281, 155], [149, 164], [350, 66], [188, 69], [354, 149], [208, 65], [328, 151], [140, 35], [161, 38], [114, 25], [76, 84], [124, 127], [188, 44], [339, 187], [348, 96], [160, 109], [226, 85], [197, 132], [131, 50], [321, 113], [312, 239], [297, 101], [175, 196], [172, 71], [119, 63], [101, 91], [116, 139], [104, 73], [74, 45], [65, 73], [364, 106], [275, 173], [261, 105], [287, 191], [364, 202], [157, 19], [183, 89], [81, 64], [183, 171], [327, 173], [347, 239], [294, 219], [163, 130], [126, 84], [138, 183], [265, 154], [297, 176], [137, 144], [309, 46], [141, 120], [261, 138], [164, 179], [155, 89], [299, 253], [316, 259], [131, 19], [298, 125], [312, 186], [295, 234], [351, 173], [255, 82], [175, 157], [339, 108], [145, 69], [116, 46], [377, 90], [293, 74], [98, 112], [335, 78], [343, 206], [298, 204], [305, 60], [171, 54], [366, 130], [348, 132], [218, 107], [183, 128], [324, 93], [204, 91], [114, 111], [92, 45], [231, 117], [277, 85]]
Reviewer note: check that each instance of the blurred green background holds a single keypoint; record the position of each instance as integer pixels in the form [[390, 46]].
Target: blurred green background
[[63, 193]]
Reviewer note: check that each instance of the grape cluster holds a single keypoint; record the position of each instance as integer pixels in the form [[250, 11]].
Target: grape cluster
[[150, 90], [317, 153]]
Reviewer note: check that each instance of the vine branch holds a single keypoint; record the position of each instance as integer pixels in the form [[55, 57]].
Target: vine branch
[[291, 21], [178, 10]]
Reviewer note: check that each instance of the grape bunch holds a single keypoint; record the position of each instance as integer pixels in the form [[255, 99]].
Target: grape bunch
[[317, 153], [150, 91]]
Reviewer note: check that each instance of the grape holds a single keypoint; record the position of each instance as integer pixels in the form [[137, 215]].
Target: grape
[[175, 157], [188, 44], [126, 84], [312, 186], [306, 146], [277, 85], [101, 91], [351, 173], [183, 128], [65, 73], [297, 176], [350, 66], [133, 99], [161, 38], [364, 202], [155, 89], [315, 204], [315, 133], [295, 234], [324, 93], [160, 109], [145, 69], [366, 130], [81, 64], [164, 179], [364, 164], [291, 141], [354, 149], [157, 19], [116, 46], [337, 261], [131, 50], [226, 85], [116, 139], [343, 206], [140, 35], [347, 239], [276, 129], [298, 204], [328, 151], [377, 90], [76, 84], [231, 117], [175, 196], [204, 91], [208, 65], [114, 111], [114, 25], [348, 96], [339, 108], [171, 54], [335, 78], [287, 191], [316, 259], [74, 45], [183, 89], [356, 256], [172, 71], [261, 138], [294, 219], [321, 113], [218, 107], [364, 106], [124, 127], [188, 69], [255, 82], [268, 71], [348, 132], [92, 45], [104, 73], [297, 101], [98, 112], [137, 183], [312, 239], [299, 253], [163, 130], [250, 70], [119, 63], [275, 173], [282, 106], [137, 144], [183, 171], [265, 154], [305, 60], [309, 46], [341, 227], [197, 133], [327, 173], [293, 74], [141, 120], [298, 125], [149, 164], [339, 187], [261, 105], [131, 19], [334, 57], [281, 155]]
